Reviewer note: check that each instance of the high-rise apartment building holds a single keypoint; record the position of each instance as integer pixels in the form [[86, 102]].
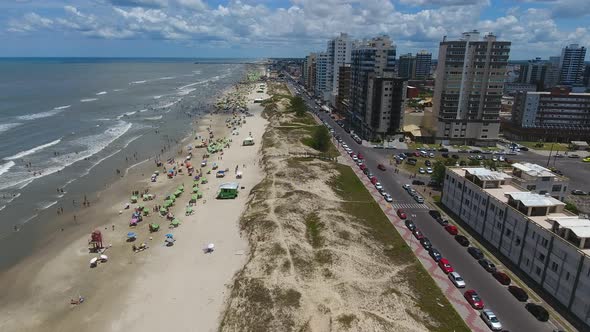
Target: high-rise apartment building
[[423, 65], [468, 88], [322, 76], [309, 67], [369, 60], [386, 96], [339, 50], [343, 97], [406, 66], [571, 66]]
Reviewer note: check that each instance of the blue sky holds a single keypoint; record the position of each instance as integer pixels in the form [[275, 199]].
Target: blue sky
[[276, 28]]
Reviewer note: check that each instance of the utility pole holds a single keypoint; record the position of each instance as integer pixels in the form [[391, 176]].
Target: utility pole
[[549, 158]]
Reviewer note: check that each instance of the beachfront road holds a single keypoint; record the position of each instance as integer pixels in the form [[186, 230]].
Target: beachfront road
[[511, 312]]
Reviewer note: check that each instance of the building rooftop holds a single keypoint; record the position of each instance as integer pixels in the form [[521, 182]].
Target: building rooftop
[[230, 185], [485, 174], [534, 200], [580, 226], [533, 169]]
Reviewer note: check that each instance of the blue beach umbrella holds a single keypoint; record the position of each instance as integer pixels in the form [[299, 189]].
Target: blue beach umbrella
[[169, 236], [131, 235]]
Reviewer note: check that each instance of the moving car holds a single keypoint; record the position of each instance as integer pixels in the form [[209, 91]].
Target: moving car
[[487, 265], [473, 299], [401, 214], [410, 225], [419, 199], [425, 242], [452, 229], [475, 252], [457, 280], [445, 266], [381, 167], [489, 317], [502, 278], [462, 240], [538, 311], [519, 293], [418, 234], [435, 254]]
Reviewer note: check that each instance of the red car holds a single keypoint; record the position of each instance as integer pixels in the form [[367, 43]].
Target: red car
[[374, 180], [360, 156], [363, 167], [502, 277], [401, 214], [452, 229], [381, 167], [445, 266], [418, 234], [416, 154], [473, 299]]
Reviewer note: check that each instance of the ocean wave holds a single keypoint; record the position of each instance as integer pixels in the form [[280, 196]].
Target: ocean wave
[[88, 100], [101, 93], [170, 104], [154, 118], [103, 119], [7, 126], [185, 92], [29, 219], [117, 90], [46, 205], [41, 115], [126, 114], [167, 78], [62, 107], [158, 97], [5, 167], [144, 110], [33, 150], [137, 82]]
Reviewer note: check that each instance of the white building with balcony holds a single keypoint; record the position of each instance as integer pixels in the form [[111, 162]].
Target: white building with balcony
[[549, 244], [538, 179]]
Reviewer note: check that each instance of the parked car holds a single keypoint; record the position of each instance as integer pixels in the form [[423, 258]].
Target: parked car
[[487, 265], [444, 264], [473, 299], [455, 156], [406, 186], [418, 234], [523, 148], [419, 199], [445, 155], [431, 155], [579, 192], [429, 170], [462, 240], [452, 229], [443, 150], [374, 180], [360, 156], [410, 225], [475, 252], [425, 242], [421, 170], [519, 293], [418, 183], [401, 214], [457, 280], [442, 221], [434, 213], [388, 198], [362, 167], [378, 186], [538, 311], [489, 317], [428, 163], [502, 278], [381, 167], [435, 254]]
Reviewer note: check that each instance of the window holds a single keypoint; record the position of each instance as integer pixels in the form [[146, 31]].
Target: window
[[508, 232], [492, 207], [498, 224], [544, 242], [567, 276], [556, 187], [527, 262], [538, 271], [554, 266], [517, 241], [541, 256]]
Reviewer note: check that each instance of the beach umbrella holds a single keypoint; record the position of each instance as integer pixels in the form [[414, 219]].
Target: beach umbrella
[[195, 189], [194, 197], [141, 207], [131, 235], [169, 236], [175, 222], [163, 210], [93, 261], [104, 258], [189, 210], [169, 240], [181, 188], [133, 199], [199, 194], [177, 193], [195, 183]]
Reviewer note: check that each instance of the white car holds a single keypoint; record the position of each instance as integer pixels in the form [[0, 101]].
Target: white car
[[431, 155], [501, 158], [421, 170], [429, 170], [494, 158], [457, 280], [419, 199], [406, 186], [359, 161], [354, 157], [489, 317], [344, 145], [378, 186], [388, 198]]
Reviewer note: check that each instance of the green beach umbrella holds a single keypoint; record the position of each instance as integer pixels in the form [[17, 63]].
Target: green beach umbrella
[[195, 189], [195, 183], [134, 199], [163, 210], [181, 188], [189, 210], [199, 195], [175, 222], [178, 193], [194, 197], [141, 207]]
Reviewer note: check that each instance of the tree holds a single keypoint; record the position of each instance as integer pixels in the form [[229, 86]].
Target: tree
[[297, 105], [321, 139], [438, 172]]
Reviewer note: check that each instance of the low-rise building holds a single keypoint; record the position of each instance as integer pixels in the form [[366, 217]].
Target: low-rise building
[[533, 231], [538, 179]]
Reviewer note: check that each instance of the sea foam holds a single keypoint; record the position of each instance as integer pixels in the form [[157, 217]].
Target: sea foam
[[88, 100], [33, 150], [7, 126], [5, 167]]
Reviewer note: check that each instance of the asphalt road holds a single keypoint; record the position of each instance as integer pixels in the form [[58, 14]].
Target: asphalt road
[[511, 312]]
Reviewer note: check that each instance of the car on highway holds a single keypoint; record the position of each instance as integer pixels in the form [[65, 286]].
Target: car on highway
[[457, 280], [475, 252], [445, 266], [502, 278], [489, 317], [473, 299], [538, 311], [519, 293], [452, 229], [425, 242], [421, 170], [410, 225], [401, 214], [487, 265], [462, 240], [435, 254], [418, 234], [388, 198], [381, 167]]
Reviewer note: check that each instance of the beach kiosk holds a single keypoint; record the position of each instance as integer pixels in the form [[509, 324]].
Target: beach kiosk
[[248, 141], [228, 190]]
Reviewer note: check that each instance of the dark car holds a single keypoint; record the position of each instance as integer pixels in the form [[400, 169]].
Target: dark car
[[462, 240], [443, 150], [425, 242], [455, 156], [366, 171], [518, 293], [434, 213], [578, 192], [445, 155], [435, 254], [486, 264], [524, 148], [475, 151], [410, 225], [538, 311], [442, 221], [502, 278], [381, 167], [418, 183], [428, 163], [462, 163], [475, 252], [418, 234]]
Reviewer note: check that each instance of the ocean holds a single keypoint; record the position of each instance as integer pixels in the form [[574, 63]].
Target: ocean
[[66, 125]]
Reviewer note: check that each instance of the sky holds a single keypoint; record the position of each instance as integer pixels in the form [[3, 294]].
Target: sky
[[278, 28]]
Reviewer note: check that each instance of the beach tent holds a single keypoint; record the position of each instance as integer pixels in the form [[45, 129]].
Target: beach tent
[[131, 235], [133, 199], [248, 141], [189, 211], [175, 222], [169, 236], [178, 193], [168, 204], [238, 174], [193, 199], [133, 222], [180, 188], [154, 227], [195, 189], [228, 190], [163, 211]]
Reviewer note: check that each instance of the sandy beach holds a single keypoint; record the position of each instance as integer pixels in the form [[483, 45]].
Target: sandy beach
[[177, 287]]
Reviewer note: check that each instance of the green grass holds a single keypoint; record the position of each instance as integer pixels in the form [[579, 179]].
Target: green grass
[[313, 227], [546, 146], [367, 212]]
